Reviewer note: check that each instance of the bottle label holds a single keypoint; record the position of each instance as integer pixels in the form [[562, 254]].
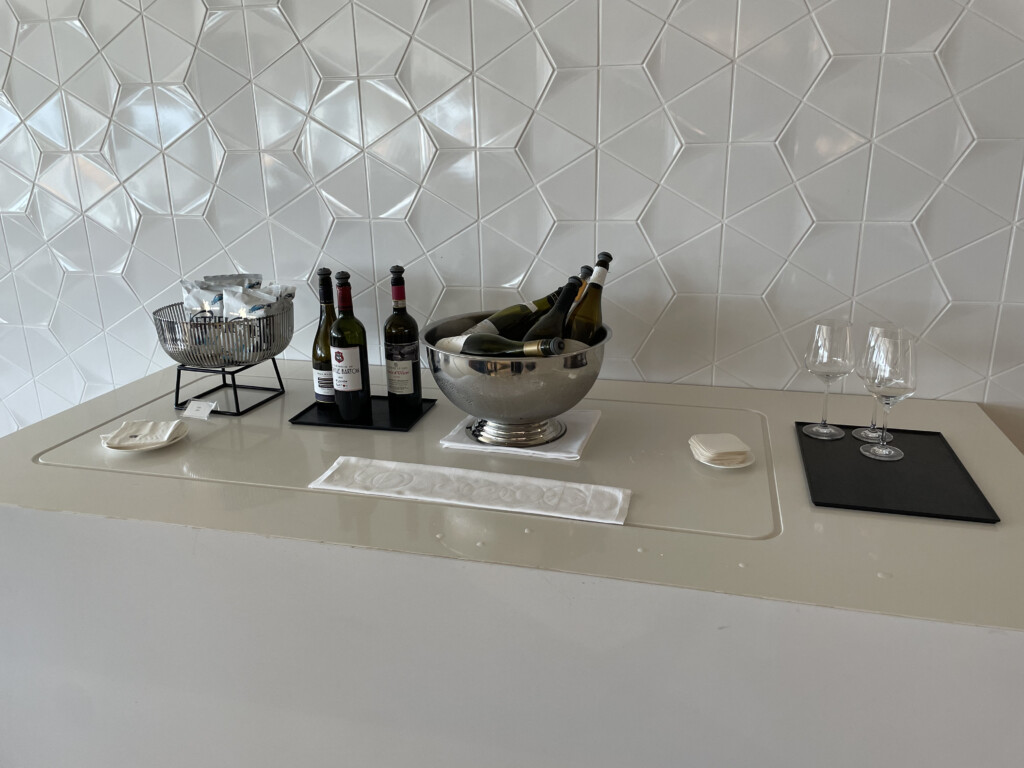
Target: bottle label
[[484, 326], [599, 275], [452, 344], [400, 361], [347, 368], [323, 386]]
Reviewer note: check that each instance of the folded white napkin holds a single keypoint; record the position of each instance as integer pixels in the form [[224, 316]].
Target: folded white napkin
[[139, 435], [722, 448], [579, 426], [470, 488]]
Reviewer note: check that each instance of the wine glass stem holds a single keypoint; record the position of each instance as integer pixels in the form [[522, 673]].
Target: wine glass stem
[[874, 414], [824, 404], [885, 421]]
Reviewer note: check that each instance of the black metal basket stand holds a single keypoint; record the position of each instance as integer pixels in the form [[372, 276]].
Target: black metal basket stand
[[232, 385]]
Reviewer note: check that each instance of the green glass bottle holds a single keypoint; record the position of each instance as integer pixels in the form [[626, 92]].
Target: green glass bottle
[[402, 353], [348, 356], [552, 323], [323, 376], [585, 272], [492, 345], [584, 320], [515, 320]]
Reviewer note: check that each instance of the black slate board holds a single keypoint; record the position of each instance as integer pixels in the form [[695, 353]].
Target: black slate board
[[315, 416], [929, 481]]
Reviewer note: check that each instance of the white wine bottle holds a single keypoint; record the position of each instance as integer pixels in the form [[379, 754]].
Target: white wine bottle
[[515, 320], [323, 377], [585, 272], [348, 356], [493, 345], [584, 320], [552, 323]]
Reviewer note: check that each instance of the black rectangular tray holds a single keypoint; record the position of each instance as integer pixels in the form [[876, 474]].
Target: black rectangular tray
[[929, 481], [315, 416]]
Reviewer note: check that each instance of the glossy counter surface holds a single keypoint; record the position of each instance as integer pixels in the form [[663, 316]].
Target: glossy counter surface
[[747, 532]]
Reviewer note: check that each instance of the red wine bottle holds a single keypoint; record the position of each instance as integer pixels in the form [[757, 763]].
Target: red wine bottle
[[402, 353], [349, 361]]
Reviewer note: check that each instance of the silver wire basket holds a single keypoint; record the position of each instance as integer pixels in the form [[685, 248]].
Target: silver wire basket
[[204, 341]]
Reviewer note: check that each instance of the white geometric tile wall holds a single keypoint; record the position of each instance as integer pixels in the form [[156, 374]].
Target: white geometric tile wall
[[752, 165]]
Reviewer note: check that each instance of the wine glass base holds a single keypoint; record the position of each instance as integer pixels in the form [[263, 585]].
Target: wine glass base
[[881, 452], [869, 435], [823, 432]]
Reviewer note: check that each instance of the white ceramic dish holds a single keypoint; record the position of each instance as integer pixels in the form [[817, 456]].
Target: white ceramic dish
[[746, 463], [152, 447]]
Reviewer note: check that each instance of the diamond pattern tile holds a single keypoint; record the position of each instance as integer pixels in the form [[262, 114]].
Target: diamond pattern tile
[[679, 62], [751, 165]]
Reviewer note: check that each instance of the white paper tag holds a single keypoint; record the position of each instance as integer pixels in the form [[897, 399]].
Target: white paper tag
[[199, 409]]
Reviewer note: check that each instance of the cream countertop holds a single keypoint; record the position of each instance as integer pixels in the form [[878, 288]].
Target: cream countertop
[[790, 550]]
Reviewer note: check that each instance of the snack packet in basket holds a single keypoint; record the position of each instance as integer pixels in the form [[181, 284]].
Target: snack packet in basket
[[246, 280], [244, 303], [199, 296], [279, 290]]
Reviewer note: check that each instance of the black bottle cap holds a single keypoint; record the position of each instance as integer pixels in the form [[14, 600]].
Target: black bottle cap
[[574, 283], [586, 270], [396, 275], [323, 272], [604, 259], [556, 345], [341, 277]]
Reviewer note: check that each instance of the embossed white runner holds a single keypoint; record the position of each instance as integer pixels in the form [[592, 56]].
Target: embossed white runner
[[470, 488]]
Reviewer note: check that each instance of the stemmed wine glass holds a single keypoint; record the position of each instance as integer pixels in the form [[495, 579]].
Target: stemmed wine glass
[[829, 356], [870, 434], [891, 376]]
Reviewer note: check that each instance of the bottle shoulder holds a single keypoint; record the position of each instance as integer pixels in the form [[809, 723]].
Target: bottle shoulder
[[401, 320], [348, 329]]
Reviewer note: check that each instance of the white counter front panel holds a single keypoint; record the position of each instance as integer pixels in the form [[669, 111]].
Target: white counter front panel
[[127, 644]]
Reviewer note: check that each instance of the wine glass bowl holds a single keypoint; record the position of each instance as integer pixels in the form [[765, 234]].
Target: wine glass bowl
[[891, 376], [829, 357], [517, 398]]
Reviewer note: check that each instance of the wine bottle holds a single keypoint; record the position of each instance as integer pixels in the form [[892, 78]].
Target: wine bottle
[[493, 345], [402, 353], [348, 357], [552, 322], [585, 272], [323, 376], [515, 320], [584, 320]]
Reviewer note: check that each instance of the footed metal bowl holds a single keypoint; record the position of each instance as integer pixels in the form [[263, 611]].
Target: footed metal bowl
[[514, 400]]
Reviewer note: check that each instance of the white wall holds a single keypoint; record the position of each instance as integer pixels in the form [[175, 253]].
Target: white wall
[[750, 165]]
